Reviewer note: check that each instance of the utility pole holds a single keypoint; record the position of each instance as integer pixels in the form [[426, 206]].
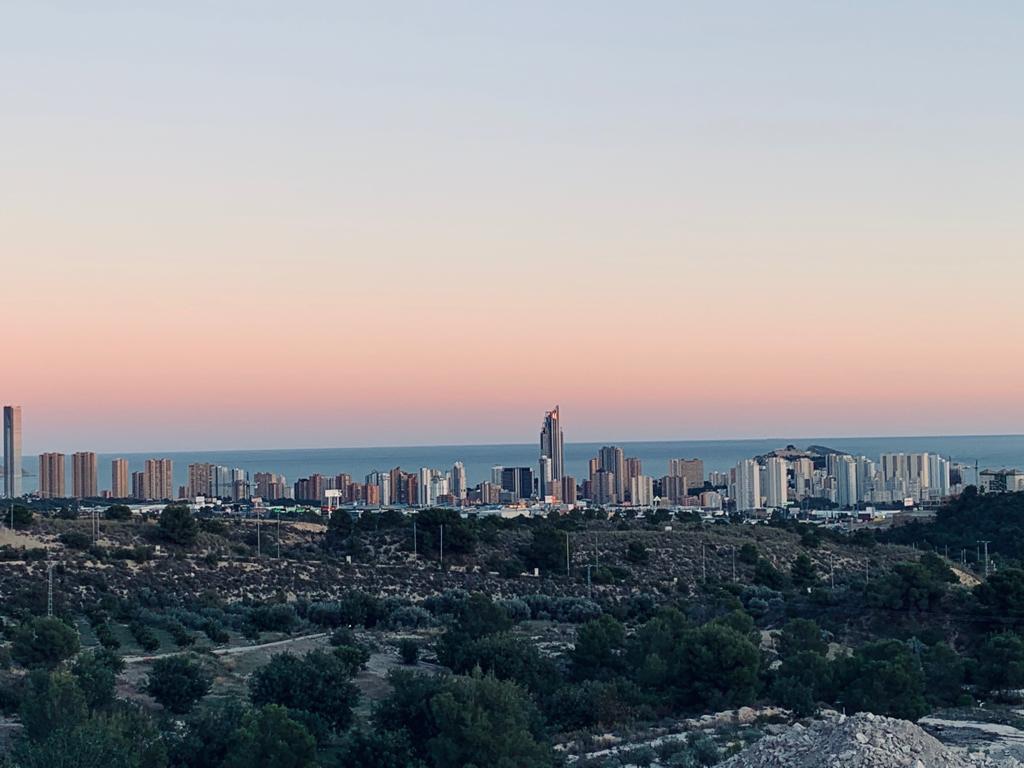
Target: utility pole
[[703, 564], [832, 570], [985, 544], [415, 551], [588, 580], [259, 542], [278, 533], [567, 554], [442, 546], [867, 571], [734, 562], [49, 588]]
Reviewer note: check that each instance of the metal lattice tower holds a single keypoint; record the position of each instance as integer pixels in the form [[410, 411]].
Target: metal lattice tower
[[49, 589]]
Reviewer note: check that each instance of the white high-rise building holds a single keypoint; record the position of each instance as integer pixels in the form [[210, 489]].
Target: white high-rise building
[[746, 491], [803, 477], [641, 490], [423, 496], [545, 477], [938, 476], [777, 485], [846, 481]]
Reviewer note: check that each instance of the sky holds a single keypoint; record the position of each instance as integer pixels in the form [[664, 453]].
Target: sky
[[263, 224]]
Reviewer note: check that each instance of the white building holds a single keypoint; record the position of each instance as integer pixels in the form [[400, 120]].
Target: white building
[[777, 485], [746, 490]]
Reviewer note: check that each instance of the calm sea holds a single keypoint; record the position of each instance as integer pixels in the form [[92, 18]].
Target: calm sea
[[990, 451]]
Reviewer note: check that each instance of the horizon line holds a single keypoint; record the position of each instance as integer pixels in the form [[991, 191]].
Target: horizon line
[[408, 446]]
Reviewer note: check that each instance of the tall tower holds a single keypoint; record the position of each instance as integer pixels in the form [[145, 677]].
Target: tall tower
[[83, 475], [552, 443], [119, 487], [51, 476], [12, 451]]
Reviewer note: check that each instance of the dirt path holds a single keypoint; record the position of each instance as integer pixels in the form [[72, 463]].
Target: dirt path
[[229, 651]]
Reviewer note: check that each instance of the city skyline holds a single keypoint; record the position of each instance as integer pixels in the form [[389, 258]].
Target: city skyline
[[793, 230]]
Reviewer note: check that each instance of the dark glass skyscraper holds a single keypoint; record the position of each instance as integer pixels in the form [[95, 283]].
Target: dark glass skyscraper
[[12, 451], [552, 443]]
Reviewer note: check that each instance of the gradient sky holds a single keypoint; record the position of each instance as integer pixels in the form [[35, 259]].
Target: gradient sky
[[266, 224]]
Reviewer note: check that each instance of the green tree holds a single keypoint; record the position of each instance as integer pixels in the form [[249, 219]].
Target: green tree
[[318, 683], [178, 525], [52, 701], [718, 667], [208, 734], [118, 512], [363, 748], [96, 673], [269, 738], [637, 553], [407, 707], [44, 642], [944, 674], [177, 683], [598, 648], [884, 678], [801, 635], [803, 572], [125, 738], [1001, 663], [485, 721], [545, 550], [22, 516]]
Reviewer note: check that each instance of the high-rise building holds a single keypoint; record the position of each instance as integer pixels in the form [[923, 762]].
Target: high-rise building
[[845, 473], [518, 481], [423, 487], [612, 459], [83, 475], [602, 487], [746, 490], [458, 482], [201, 480], [51, 476], [568, 493], [138, 485], [545, 481], [632, 468], [690, 469], [158, 480], [119, 479], [552, 442], [776, 489], [270, 485], [641, 490], [12, 451]]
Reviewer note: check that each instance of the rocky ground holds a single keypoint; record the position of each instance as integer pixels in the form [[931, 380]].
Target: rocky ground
[[861, 741]]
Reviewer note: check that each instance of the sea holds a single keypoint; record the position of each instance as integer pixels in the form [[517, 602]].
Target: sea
[[988, 451]]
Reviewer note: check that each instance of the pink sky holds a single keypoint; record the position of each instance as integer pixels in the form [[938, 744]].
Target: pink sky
[[431, 231]]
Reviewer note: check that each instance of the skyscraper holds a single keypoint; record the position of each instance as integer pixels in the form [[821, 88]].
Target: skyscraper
[[746, 490], [158, 480], [846, 481], [776, 490], [119, 488], [458, 484], [612, 459], [690, 469], [51, 476], [552, 443], [12, 451], [83, 475]]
